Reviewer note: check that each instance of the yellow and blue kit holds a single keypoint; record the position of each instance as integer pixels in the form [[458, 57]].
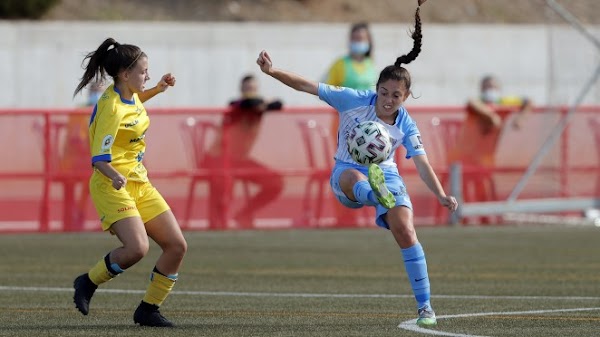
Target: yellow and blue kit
[[117, 135]]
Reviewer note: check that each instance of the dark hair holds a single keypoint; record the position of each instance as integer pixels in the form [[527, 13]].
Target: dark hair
[[365, 26], [396, 71], [110, 58], [247, 78], [487, 78]]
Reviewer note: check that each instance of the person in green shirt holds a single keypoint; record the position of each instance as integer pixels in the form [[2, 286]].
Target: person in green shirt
[[357, 71]]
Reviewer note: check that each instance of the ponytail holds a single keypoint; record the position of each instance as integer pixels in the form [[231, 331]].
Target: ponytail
[[417, 37], [110, 58], [95, 66], [396, 71]]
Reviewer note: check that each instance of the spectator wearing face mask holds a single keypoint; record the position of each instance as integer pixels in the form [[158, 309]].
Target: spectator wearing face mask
[[354, 70], [487, 116]]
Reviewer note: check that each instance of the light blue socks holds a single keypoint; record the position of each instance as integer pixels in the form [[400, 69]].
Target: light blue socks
[[416, 268], [364, 193]]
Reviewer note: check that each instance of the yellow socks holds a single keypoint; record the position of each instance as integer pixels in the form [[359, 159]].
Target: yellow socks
[[104, 271], [159, 288]]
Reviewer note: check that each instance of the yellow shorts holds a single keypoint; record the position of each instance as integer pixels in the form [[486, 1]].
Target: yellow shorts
[[139, 199]]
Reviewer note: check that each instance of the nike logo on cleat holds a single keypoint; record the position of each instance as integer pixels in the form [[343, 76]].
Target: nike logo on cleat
[[420, 279]]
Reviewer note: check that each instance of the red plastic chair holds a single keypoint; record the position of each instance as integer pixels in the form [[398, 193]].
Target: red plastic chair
[[445, 132], [72, 216], [319, 155], [449, 131], [196, 135]]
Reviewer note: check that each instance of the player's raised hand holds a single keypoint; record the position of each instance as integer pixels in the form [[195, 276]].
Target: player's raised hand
[[166, 81], [449, 202], [264, 62]]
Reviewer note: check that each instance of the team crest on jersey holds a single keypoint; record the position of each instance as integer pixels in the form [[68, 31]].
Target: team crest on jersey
[[107, 142], [336, 88]]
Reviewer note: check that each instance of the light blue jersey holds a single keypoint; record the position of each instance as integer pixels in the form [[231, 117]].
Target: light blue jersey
[[355, 106]]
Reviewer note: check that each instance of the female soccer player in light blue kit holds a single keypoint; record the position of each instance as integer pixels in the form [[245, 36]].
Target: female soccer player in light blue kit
[[380, 186]]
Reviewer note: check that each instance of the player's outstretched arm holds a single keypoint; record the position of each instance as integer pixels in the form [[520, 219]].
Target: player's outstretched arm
[[428, 176], [290, 79], [166, 81]]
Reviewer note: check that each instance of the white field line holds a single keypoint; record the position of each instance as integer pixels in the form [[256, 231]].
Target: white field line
[[301, 295], [411, 325]]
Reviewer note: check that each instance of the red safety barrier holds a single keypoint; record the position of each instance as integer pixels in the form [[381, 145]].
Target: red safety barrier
[[43, 189]]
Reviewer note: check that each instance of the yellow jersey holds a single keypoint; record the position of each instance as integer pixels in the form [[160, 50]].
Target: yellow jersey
[[346, 72], [117, 131]]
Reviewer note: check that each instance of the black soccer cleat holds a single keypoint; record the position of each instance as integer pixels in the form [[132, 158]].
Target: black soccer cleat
[[148, 315], [84, 290]]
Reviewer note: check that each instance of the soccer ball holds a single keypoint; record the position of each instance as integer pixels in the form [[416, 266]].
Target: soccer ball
[[369, 143]]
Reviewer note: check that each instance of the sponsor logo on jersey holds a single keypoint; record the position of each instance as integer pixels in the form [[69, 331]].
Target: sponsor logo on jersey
[[135, 140], [126, 208], [134, 123]]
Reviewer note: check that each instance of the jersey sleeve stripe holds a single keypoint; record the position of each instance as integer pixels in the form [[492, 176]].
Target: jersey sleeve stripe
[[103, 157]]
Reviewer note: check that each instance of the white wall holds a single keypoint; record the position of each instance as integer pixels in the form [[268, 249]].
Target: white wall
[[40, 62]]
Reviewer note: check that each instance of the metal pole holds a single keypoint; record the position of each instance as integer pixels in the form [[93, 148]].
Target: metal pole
[[554, 136], [560, 10], [456, 191]]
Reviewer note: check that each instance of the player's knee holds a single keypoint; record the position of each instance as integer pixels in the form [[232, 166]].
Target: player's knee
[[179, 249], [137, 251], [399, 219]]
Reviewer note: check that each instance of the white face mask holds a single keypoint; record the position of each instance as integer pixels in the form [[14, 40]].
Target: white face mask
[[490, 96], [359, 48]]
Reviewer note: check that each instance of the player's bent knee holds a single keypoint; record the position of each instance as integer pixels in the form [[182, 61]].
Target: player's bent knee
[[135, 252], [179, 249]]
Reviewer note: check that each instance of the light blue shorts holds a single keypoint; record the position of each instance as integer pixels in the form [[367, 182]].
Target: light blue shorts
[[393, 181]]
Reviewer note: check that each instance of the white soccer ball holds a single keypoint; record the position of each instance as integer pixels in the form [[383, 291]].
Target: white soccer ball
[[369, 143]]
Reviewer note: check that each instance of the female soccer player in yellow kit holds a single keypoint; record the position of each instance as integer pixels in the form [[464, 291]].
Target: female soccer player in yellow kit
[[127, 203]]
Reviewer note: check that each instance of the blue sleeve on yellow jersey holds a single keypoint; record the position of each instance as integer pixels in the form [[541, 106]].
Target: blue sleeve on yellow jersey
[[104, 125], [343, 99], [412, 137]]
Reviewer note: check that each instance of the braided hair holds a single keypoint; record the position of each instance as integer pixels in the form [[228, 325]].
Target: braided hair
[[396, 71]]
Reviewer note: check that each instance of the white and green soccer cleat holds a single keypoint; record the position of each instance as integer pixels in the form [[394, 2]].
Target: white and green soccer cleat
[[426, 317], [377, 182]]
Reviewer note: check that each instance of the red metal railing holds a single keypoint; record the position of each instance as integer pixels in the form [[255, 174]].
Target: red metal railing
[[567, 171]]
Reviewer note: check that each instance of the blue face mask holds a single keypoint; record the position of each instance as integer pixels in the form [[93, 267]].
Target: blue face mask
[[359, 48]]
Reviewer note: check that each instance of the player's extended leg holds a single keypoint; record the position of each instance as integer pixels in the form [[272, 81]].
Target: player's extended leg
[[132, 234], [400, 222], [165, 231], [369, 191]]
